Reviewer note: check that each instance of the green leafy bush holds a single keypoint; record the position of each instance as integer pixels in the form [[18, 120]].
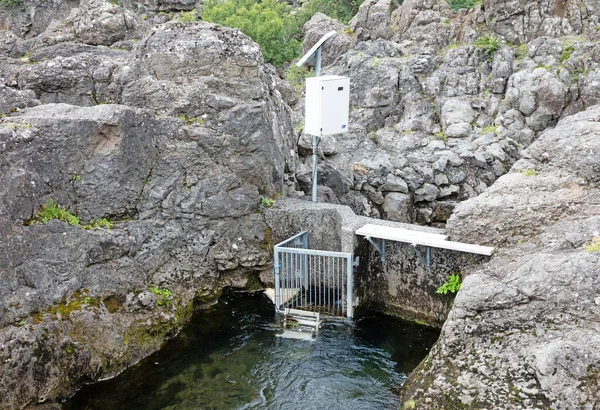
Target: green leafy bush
[[11, 3], [594, 246], [187, 17], [266, 202], [163, 296], [50, 210], [341, 10], [273, 24], [487, 43], [452, 285], [296, 76], [463, 4], [268, 23]]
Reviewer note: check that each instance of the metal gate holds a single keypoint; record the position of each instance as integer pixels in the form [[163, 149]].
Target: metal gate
[[312, 280]]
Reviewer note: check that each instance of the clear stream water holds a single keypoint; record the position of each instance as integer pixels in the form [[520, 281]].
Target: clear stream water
[[230, 358]]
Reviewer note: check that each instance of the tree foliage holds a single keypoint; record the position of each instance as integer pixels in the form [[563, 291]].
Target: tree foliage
[[463, 4], [274, 25], [268, 23], [341, 10]]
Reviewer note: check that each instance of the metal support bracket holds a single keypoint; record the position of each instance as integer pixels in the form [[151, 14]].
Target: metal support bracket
[[378, 247], [425, 259]]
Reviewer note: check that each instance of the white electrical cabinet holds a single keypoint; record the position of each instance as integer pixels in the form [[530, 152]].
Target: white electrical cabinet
[[327, 105]]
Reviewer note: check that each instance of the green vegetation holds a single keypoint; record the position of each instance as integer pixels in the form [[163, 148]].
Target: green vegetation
[[188, 17], [490, 128], [566, 54], [266, 201], [594, 246], [11, 3], [341, 10], [529, 172], [488, 43], [50, 210], [191, 120], [296, 76], [64, 308], [463, 4], [521, 52], [452, 285], [441, 135], [273, 24], [163, 296], [410, 405], [268, 23]]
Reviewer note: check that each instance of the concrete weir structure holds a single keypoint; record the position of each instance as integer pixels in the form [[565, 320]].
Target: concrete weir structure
[[401, 284]]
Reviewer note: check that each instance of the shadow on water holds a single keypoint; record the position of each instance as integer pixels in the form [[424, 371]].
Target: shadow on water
[[229, 358]]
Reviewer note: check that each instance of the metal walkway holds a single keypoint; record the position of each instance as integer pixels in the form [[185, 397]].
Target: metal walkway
[[312, 280]]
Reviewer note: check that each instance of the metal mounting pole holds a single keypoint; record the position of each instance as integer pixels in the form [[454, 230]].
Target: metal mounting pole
[[315, 51]]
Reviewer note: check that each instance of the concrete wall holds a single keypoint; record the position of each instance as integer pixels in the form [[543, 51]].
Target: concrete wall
[[401, 285]]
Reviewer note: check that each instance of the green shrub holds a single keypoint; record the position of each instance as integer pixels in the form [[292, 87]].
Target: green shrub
[[463, 4], [187, 17], [11, 3], [341, 10], [100, 223], [594, 246], [266, 202], [452, 285], [163, 296], [297, 75], [488, 43], [50, 210], [268, 23], [272, 24]]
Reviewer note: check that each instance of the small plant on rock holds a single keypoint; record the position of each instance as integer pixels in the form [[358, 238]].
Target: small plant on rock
[[452, 285], [266, 201], [96, 224], [297, 76], [594, 246], [488, 43], [50, 210], [163, 296], [529, 172], [187, 17]]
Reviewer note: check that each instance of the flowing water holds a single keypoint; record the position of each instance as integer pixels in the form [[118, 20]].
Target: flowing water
[[230, 358]]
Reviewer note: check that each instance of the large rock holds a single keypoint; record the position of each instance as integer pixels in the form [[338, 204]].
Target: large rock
[[372, 20], [523, 332], [522, 20], [182, 193], [212, 75], [94, 22], [317, 27]]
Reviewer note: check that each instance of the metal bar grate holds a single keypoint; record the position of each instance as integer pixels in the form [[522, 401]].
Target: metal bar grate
[[312, 280]]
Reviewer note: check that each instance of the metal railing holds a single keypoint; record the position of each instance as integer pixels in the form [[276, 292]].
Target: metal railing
[[312, 280]]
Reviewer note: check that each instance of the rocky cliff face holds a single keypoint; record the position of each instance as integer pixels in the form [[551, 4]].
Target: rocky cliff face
[[524, 331], [173, 142], [443, 102]]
